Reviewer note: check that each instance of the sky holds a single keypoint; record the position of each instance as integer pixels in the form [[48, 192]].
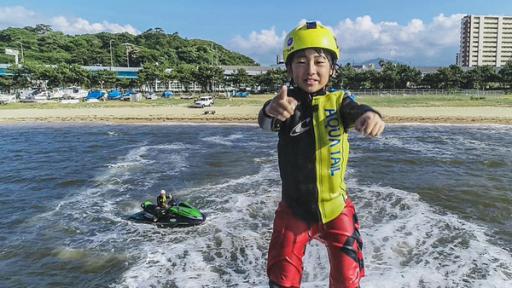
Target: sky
[[413, 32]]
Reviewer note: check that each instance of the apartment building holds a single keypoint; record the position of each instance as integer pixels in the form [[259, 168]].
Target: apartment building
[[485, 40]]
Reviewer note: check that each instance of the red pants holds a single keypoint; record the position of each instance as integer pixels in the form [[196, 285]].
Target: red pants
[[291, 236]]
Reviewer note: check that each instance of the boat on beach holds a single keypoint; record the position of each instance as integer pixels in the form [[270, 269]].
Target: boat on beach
[[114, 94], [7, 98], [95, 96], [36, 95], [74, 93], [56, 94]]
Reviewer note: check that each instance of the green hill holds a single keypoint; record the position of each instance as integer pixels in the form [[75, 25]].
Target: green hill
[[43, 45]]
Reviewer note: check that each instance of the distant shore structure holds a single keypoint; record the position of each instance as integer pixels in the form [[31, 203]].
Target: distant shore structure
[[485, 40]]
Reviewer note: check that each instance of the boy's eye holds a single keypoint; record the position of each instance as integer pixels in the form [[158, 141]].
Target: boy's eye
[[320, 60]]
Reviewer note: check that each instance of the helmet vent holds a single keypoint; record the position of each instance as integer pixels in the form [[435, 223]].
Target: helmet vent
[[311, 25]]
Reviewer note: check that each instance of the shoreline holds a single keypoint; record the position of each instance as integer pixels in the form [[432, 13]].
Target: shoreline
[[249, 122], [243, 115]]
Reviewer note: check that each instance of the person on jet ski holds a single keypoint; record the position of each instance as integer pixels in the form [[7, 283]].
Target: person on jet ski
[[163, 202]]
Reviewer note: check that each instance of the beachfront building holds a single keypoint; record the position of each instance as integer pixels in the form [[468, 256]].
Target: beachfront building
[[485, 40], [229, 71], [121, 72]]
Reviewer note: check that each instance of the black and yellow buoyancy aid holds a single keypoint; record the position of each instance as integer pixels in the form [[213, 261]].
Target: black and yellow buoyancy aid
[[313, 153]]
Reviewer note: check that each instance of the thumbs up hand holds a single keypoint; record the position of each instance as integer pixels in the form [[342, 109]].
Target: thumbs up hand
[[281, 107]]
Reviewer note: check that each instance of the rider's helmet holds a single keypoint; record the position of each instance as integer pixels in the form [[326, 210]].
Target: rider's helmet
[[310, 35], [162, 192]]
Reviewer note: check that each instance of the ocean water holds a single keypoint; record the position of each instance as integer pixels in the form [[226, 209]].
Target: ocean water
[[435, 204]]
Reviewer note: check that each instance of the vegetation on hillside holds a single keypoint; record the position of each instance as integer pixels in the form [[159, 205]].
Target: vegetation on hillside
[[42, 45]]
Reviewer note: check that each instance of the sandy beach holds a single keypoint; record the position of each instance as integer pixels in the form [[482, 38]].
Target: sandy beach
[[244, 114]]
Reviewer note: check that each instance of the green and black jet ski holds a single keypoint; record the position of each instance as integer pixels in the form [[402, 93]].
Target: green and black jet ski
[[178, 214]]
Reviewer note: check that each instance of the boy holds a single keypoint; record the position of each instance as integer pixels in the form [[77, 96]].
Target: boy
[[313, 152]]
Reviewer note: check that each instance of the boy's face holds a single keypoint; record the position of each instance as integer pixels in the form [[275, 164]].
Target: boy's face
[[310, 70]]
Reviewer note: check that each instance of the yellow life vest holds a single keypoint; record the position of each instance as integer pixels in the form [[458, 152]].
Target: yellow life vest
[[332, 150]]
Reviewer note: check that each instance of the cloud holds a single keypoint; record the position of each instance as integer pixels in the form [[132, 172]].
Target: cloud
[[260, 45], [18, 16], [417, 42], [82, 26], [363, 39], [15, 16]]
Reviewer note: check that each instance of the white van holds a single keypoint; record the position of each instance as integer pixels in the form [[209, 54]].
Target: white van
[[204, 101]]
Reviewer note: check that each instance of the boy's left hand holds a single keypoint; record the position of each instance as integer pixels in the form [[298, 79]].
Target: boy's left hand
[[370, 124]]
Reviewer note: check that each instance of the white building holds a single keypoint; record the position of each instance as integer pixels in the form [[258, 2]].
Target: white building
[[485, 40]]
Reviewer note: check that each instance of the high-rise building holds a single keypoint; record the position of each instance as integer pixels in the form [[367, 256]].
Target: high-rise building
[[485, 40]]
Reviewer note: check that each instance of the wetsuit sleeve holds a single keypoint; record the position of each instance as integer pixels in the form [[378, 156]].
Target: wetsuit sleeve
[[351, 111], [266, 121]]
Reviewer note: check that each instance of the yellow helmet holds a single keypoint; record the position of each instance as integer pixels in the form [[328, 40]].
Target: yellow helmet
[[310, 35]]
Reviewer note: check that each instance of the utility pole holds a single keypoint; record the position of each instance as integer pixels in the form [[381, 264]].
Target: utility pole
[[127, 57], [111, 57], [128, 49]]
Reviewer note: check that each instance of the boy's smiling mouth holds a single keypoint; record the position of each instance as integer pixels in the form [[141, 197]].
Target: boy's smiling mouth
[[310, 81]]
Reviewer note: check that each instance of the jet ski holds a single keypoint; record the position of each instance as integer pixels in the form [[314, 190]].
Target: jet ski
[[177, 214]]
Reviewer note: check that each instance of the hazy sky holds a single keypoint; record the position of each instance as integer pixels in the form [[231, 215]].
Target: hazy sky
[[414, 32]]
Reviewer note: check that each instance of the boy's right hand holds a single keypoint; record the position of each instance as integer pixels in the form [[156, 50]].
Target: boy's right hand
[[281, 107]]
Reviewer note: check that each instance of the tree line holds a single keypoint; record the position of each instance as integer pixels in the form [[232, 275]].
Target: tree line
[[207, 76], [390, 76], [400, 76]]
